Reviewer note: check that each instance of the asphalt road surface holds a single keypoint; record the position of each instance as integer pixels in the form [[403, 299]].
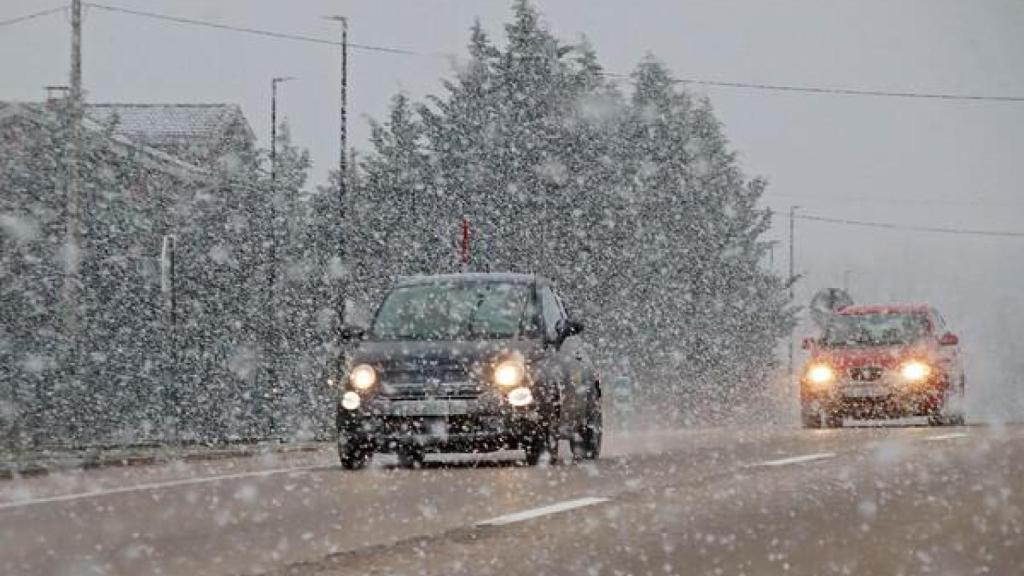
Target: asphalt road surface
[[893, 500]]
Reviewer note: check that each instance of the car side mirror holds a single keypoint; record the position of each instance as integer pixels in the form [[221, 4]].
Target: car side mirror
[[949, 339], [808, 343], [350, 332], [567, 328]]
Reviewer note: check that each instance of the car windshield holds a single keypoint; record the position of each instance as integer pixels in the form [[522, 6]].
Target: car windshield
[[451, 311], [884, 329]]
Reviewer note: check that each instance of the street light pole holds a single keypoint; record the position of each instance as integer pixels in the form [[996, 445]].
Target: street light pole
[[342, 167], [273, 329], [273, 124], [275, 225], [73, 234], [792, 274]]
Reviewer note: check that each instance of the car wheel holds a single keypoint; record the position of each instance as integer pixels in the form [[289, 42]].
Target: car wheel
[[586, 444], [352, 453], [960, 416], [811, 420], [944, 417], [940, 417], [832, 420], [411, 458], [542, 441], [816, 416]]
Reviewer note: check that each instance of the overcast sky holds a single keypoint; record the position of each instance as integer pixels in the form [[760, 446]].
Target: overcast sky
[[921, 162]]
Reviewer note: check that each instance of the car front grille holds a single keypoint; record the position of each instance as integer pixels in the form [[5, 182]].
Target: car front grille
[[449, 382], [865, 373]]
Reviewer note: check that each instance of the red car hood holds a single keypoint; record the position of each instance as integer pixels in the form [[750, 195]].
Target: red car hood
[[882, 356]]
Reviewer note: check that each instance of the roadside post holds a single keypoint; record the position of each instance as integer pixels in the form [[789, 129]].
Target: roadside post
[[169, 396]]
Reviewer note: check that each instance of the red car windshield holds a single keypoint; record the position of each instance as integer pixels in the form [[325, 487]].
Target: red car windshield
[[883, 329]]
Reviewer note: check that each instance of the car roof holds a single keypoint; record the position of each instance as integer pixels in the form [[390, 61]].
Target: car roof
[[498, 277], [861, 310]]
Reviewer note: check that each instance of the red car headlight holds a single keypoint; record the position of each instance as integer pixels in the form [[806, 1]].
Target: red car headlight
[[915, 371]]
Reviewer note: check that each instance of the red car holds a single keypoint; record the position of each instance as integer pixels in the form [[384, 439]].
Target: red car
[[883, 362]]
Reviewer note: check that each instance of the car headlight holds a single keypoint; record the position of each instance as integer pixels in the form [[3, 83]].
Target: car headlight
[[350, 400], [362, 377], [821, 374], [520, 397], [915, 371], [508, 373]]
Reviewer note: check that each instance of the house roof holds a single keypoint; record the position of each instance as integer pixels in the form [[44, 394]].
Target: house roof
[[121, 144], [158, 124]]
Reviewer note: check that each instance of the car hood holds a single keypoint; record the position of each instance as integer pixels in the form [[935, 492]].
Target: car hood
[[409, 354], [882, 356]]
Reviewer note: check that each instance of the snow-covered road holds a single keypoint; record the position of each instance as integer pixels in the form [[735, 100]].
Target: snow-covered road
[[869, 500]]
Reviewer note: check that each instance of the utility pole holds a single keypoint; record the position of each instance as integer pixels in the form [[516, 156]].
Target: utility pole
[[274, 216], [792, 273], [273, 124], [272, 301], [342, 167], [73, 234]]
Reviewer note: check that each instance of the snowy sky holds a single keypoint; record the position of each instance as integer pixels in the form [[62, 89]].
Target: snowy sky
[[930, 163]]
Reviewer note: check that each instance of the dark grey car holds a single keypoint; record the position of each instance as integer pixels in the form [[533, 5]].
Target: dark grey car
[[468, 363]]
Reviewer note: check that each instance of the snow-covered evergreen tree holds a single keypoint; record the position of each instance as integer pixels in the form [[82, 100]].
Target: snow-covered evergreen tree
[[636, 207]]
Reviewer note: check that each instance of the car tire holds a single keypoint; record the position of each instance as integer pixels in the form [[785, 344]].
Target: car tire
[[820, 418], [586, 444], [411, 458], [811, 421], [542, 441], [942, 417], [352, 453], [832, 420]]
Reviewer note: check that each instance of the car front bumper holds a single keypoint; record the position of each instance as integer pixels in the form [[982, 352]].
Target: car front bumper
[[454, 425], [881, 399]]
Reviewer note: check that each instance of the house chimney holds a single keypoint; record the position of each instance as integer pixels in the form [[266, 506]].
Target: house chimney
[[54, 94]]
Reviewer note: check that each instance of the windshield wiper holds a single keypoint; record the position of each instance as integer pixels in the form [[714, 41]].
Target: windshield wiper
[[472, 314]]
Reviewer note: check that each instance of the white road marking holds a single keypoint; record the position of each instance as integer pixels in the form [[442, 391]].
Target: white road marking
[[950, 436], [797, 459], [542, 511], [157, 486]]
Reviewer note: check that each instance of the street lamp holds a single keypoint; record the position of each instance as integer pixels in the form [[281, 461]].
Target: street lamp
[[273, 124]]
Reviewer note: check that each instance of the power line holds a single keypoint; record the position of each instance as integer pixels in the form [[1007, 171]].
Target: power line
[[833, 91], [852, 91], [891, 226], [892, 201], [32, 16], [693, 81], [257, 31]]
